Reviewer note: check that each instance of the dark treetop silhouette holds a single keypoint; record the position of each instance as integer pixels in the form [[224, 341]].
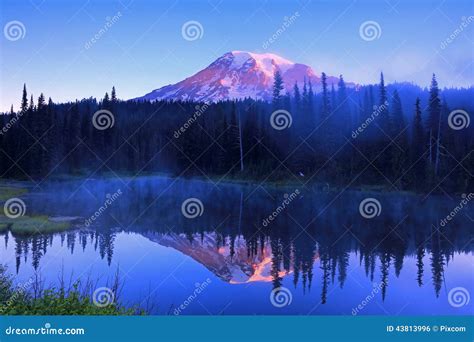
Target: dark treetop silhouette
[[397, 136]]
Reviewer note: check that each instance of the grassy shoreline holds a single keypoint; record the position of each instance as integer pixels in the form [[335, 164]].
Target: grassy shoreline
[[20, 224], [31, 225], [31, 298]]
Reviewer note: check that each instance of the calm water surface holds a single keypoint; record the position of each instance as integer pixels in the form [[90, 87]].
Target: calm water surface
[[319, 251]]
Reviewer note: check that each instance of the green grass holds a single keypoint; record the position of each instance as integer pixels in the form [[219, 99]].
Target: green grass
[[26, 225], [61, 302], [30, 225], [7, 192], [53, 301]]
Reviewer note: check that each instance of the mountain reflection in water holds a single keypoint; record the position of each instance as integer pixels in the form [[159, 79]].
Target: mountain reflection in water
[[319, 238]]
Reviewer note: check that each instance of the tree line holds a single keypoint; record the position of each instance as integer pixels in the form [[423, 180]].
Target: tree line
[[395, 136]]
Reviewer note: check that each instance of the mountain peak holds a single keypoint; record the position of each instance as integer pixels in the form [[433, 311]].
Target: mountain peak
[[237, 75], [267, 62]]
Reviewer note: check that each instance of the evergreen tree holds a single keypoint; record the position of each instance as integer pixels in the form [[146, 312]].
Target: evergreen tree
[[41, 102], [31, 108], [397, 121], [333, 103], [60, 138], [310, 97], [434, 113], [418, 143], [39, 150], [53, 142], [277, 88], [383, 91], [383, 108], [296, 96], [305, 93], [113, 95], [24, 100], [399, 147], [343, 109], [386, 148], [325, 98], [106, 101], [367, 105], [234, 142], [341, 90]]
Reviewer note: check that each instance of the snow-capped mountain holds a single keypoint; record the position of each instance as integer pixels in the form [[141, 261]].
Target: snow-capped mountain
[[237, 75]]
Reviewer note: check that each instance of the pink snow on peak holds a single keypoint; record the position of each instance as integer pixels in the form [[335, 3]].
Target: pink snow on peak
[[240, 74]]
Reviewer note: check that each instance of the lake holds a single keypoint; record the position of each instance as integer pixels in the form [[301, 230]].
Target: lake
[[196, 247]]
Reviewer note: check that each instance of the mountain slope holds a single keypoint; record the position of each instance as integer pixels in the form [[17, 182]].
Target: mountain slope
[[237, 75], [234, 269]]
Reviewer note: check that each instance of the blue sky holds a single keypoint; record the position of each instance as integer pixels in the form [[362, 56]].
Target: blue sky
[[144, 48]]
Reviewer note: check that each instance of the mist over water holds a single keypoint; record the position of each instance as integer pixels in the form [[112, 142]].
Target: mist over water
[[329, 249]]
